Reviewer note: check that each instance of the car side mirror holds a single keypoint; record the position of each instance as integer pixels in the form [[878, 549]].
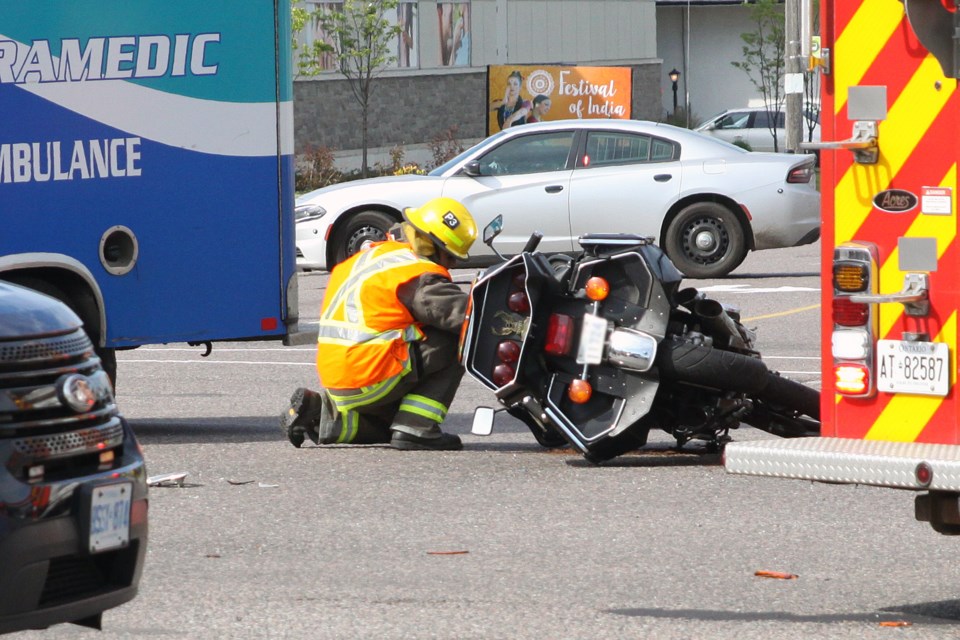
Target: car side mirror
[[471, 169], [493, 229]]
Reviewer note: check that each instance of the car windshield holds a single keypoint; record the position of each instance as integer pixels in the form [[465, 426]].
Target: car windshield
[[457, 159]]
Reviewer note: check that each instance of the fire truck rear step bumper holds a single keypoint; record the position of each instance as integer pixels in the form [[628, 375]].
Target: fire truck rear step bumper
[[848, 461]]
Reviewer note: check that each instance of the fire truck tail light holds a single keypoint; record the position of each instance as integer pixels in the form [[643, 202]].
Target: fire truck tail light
[[851, 379], [850, 314], [800, 175], [851, 277], [850, 345]]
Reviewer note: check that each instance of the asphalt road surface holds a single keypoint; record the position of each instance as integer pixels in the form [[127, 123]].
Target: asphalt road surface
[[505, 539]]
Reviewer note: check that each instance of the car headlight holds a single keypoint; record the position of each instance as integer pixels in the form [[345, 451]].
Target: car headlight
[[308, 212]]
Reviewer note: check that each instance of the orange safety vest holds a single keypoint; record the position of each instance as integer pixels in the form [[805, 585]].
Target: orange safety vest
[[365, 330]]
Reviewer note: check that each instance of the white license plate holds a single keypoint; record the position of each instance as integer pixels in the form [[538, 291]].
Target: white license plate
[[110, 516], [593, 335], [913, 367]]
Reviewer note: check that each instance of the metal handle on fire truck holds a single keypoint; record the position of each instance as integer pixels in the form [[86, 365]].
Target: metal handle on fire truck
[[863, 143], [914, 297]]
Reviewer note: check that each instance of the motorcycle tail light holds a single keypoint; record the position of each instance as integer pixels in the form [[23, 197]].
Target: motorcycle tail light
[[518, 303], [503, 374], [559, 335], [597, 288], [508, 351], [579, 391], [850, 314], [519, 280], [851, 379]]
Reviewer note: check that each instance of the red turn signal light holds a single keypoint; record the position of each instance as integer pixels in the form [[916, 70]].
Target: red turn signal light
[[503, 374], [579, 391], [850, 314], [851, 379], [597, 288], [518, 303], [508, 351]]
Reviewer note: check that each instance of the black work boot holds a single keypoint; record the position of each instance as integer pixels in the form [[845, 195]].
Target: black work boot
[[300, 419], [408, 438]]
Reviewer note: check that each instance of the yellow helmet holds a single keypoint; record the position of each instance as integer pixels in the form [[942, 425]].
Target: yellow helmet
[[447, 223]]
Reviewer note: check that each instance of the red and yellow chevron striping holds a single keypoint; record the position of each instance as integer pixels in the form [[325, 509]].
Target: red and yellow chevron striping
[[873, 44]]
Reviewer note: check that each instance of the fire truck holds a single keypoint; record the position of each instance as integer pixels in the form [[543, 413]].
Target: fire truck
[[890, 285]]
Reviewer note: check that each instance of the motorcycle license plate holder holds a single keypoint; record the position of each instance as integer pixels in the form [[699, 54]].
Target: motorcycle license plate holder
[[593, 336], [920, 368]]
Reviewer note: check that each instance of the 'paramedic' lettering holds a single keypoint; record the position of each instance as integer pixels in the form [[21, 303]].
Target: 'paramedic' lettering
[[114, 58], [75, 160]]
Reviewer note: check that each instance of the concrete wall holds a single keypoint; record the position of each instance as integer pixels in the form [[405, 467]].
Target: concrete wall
[[413, 109]]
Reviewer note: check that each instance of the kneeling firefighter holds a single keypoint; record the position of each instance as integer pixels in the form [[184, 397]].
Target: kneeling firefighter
[[387, 350]]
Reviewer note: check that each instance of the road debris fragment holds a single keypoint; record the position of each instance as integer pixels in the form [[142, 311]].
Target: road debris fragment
[[777, 575], [167, 479]]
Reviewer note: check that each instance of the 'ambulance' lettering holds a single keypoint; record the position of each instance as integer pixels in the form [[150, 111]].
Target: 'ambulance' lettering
[[77, 160]]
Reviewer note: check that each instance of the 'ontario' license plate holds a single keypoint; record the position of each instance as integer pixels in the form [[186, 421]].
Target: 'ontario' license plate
[[593, 335], [913, 367], [110, 516]]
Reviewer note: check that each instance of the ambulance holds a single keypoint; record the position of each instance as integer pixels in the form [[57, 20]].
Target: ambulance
[[891, 282]]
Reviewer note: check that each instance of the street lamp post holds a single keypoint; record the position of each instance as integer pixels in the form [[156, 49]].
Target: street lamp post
[[674, 76]]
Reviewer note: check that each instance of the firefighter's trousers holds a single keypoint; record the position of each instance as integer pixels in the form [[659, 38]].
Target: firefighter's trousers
[[418, 402]]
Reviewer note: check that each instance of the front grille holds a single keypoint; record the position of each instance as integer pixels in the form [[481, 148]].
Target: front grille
[[71, 578], [54, 348], [58, 445]]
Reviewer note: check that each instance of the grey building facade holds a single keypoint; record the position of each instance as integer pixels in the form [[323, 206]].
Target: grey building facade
[[432, 94]]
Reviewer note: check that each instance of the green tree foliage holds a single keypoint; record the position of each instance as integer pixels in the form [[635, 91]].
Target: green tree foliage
[[763, 57], [359, 38]]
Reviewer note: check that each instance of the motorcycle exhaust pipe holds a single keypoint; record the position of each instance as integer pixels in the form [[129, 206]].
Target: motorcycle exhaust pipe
[[687, 298], [718, 323]]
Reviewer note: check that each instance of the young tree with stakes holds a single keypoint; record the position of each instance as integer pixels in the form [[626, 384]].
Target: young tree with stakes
[[763, 61], [361, 41]]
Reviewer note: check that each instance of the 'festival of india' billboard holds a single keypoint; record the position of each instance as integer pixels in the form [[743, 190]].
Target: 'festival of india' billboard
[[519, 94]]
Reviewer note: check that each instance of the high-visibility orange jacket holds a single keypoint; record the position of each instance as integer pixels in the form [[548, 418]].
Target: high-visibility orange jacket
[[365, 330]]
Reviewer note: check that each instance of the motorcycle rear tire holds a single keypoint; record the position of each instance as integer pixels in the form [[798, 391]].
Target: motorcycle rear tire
[[684, 361]]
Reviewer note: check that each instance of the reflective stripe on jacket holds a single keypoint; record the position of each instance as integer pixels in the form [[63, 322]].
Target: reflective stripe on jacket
[[364, 328]]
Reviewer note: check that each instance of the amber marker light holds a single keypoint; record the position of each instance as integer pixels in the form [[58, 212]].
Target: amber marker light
[[597, 288], [579, 391], [851, 277]]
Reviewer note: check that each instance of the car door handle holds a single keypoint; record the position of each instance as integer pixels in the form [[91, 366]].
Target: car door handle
[[554, 188], [663, 177]]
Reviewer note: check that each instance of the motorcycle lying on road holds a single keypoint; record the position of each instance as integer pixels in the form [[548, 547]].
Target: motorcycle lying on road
[[596, 350]]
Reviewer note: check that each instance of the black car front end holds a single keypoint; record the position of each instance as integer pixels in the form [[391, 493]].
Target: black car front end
[[73, 492]]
